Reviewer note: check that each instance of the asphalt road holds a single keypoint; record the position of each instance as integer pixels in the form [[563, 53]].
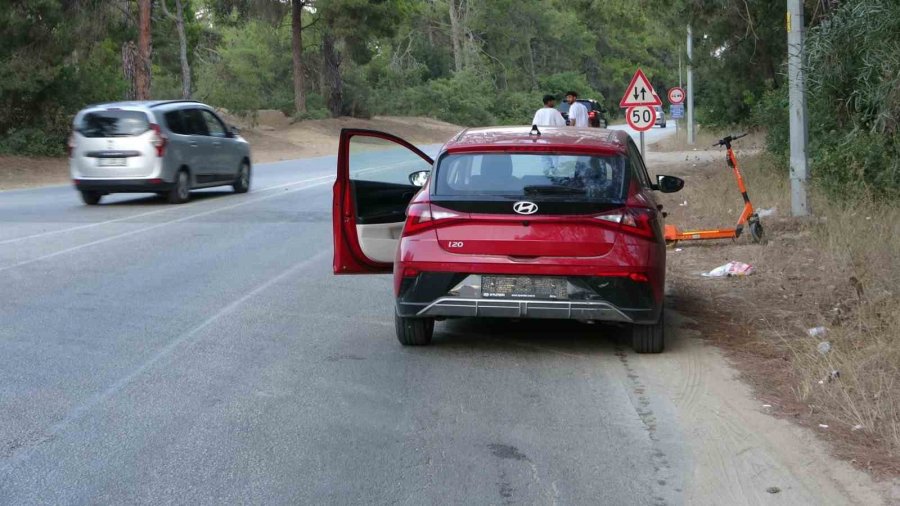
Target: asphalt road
[[205, 354]]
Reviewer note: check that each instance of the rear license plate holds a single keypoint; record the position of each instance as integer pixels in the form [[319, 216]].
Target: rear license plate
[[524, 287], [111, 162]]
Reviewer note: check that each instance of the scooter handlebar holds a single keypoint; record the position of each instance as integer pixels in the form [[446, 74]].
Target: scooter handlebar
[[727, 140]]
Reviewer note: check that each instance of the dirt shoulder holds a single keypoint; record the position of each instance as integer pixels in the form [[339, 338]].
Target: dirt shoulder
[[274, 138], [760, 324]]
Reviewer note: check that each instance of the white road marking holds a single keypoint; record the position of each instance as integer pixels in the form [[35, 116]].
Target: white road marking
[[173, 208], [327, 179], [158, 225], [148, 213], [166, 350]]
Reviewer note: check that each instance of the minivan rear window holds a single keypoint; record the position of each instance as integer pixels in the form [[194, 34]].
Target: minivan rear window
[[550, 176], [113, 123]]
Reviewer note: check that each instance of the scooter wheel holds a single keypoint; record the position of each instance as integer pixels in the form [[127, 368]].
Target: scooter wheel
[[757, 234]]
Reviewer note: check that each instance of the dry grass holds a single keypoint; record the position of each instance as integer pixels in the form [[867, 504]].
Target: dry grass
[[839, 270], [704, 138]]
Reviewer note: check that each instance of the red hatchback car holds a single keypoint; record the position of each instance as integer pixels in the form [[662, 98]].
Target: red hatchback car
[[507, 222]]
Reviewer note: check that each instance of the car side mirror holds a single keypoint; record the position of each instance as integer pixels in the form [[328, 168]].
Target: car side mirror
[[669, 184], [233, 131], [419, 178]]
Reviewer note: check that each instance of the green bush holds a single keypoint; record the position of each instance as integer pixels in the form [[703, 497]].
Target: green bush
[[853, 102]]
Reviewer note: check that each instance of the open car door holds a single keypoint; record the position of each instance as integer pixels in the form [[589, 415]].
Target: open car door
[[371, 193]]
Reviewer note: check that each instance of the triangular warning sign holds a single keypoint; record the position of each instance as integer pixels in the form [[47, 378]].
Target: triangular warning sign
[[639, 92]]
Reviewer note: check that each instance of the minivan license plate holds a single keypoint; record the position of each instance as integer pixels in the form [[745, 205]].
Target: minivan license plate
[[112, 162], [524, 287]]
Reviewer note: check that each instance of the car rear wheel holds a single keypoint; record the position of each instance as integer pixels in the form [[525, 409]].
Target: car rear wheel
[[414, 331], [181, 190], [91, 198], [242, 183], [649, 338]]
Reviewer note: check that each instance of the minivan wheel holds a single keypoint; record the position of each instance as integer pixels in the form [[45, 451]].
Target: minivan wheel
[[242, 183], [414, 331], [91, 198], [649, 338], [181, 191]]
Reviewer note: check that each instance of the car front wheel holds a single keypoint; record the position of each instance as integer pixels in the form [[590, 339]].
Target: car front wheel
[[414, 331], [91, 198], [649, 338], [242, 183]]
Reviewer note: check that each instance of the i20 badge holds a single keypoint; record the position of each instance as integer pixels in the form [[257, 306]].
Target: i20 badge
[[525, 207]]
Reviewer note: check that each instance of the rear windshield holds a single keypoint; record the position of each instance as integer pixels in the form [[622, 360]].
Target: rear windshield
[[113, 124], [576, 177]]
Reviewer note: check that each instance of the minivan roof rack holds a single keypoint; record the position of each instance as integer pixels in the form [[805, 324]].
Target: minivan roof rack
[[166, 102]]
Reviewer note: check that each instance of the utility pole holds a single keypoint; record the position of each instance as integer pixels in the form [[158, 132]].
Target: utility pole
[[680, 86], [797, 96], [690, 89]]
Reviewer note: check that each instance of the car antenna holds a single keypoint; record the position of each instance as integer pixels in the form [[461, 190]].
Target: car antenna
[[534, 130]]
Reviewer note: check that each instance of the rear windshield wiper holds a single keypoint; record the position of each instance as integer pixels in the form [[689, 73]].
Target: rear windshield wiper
[[550, 189]]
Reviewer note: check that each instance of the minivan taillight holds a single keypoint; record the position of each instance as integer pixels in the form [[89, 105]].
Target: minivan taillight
[[159, 140], [70, 145], [632, 220], [422, 216]]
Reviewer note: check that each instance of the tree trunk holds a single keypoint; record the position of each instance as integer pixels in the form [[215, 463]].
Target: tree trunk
[[456, 35], [142, 70], [182, 40], [332, 72], [129, 55], [297, 53], [534, 83], [178, 18]]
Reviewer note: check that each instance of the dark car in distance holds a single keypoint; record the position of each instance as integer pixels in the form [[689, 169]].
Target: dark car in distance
[[596, 112]]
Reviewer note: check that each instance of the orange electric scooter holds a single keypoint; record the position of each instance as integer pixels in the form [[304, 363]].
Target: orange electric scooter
[[748, 215]]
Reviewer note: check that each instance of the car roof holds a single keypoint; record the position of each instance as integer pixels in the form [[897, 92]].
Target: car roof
[[519, 138], [142, 104]]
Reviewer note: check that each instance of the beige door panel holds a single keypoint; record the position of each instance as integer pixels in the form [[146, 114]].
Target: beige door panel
[[379, 242]]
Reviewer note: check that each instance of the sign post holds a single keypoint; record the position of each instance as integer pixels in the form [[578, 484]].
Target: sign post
[[676, 99], [639, 101]]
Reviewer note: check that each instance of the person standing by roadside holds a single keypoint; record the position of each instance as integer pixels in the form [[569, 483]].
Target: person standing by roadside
[[578, 113], [548, 115]]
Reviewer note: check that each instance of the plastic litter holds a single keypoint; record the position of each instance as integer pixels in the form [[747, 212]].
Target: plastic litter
[[857, 427], [679, 249], [823, 426], [762, 213], [730, 269], [824, 347], [817, 331], [683, 204]]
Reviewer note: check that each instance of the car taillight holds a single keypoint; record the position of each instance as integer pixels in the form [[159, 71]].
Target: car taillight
[[159, 140], [421, 216], [632, 220], [592, 114], [70, 145]]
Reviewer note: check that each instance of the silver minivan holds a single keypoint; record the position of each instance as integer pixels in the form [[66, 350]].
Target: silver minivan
[[162, 147]]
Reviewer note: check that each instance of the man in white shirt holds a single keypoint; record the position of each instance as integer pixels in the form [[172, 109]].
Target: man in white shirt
[[578, 113], [548, 115]]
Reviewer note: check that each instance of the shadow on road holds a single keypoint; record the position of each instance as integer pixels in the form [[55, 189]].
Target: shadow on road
[[555, 336]]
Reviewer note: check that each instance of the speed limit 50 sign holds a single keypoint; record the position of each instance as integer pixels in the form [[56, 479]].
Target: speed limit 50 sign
[[641, 118]]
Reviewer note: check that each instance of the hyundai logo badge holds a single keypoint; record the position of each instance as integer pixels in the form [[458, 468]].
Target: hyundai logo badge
[[525, 207]]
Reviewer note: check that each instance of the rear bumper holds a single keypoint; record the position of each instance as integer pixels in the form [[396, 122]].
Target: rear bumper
[[599, 298], [122, 185]]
